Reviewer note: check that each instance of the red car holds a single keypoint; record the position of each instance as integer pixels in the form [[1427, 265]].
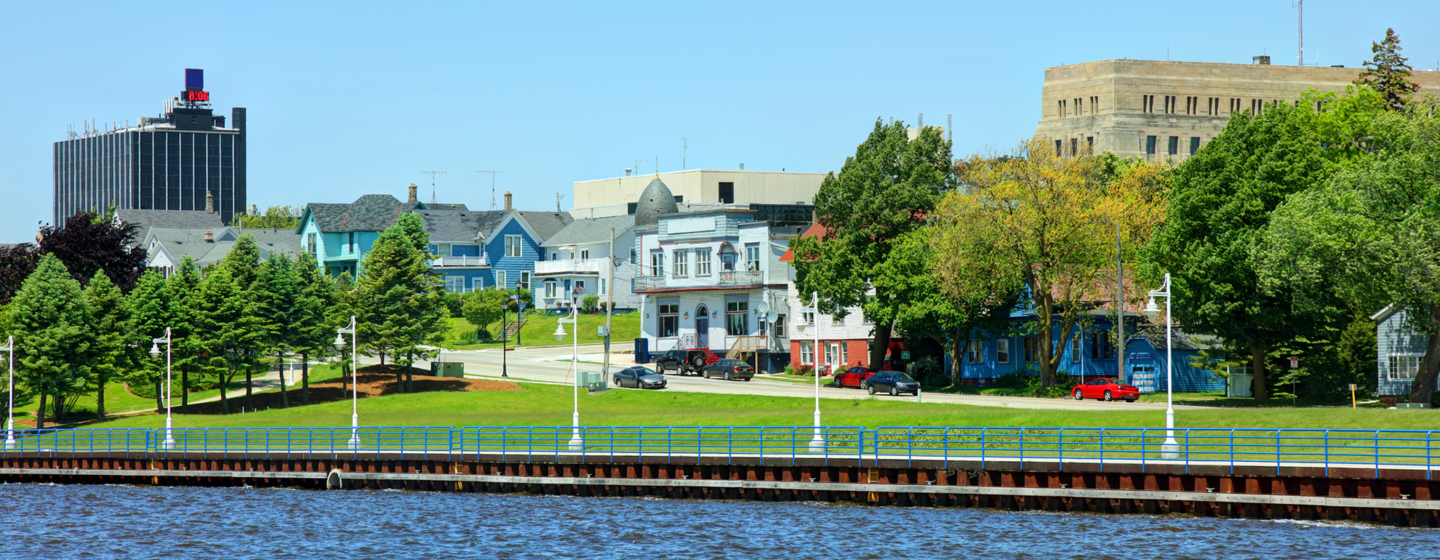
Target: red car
[[852, 377], [1106, 389]]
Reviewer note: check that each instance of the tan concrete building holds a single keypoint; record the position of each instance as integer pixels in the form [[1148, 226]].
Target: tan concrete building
[[615, 196], [1163, 110]]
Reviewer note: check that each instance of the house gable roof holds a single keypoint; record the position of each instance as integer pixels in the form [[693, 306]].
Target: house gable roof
[[546, 224], [144, 220], [457, 226], [590, 230]]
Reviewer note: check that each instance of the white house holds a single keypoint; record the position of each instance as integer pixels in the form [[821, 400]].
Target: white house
[[578, 259]]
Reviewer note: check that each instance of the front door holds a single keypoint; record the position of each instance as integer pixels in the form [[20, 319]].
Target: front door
[[702, 326]]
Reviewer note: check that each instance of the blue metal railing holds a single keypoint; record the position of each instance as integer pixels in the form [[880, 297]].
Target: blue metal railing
[[1142, 446]]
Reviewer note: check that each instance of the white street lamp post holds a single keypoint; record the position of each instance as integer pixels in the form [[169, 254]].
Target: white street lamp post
[[155, 352], [817, 444], [576, 443], [10, 422], [354, 379], [1171, 448]]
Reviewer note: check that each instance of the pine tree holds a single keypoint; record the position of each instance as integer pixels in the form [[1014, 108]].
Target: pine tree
[[227, 330], [1388, 72], [338, 316], [54, 337], [115, 348], [276, 298], [151, 310], [243, 261], [183, 317], [401, 299], [313, 333]]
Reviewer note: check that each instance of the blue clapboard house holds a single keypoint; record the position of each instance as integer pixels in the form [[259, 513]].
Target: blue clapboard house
[[1090, 354]]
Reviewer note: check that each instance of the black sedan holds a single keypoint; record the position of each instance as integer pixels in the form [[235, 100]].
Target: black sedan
[[729, 369], [639, 378], [892, 381]]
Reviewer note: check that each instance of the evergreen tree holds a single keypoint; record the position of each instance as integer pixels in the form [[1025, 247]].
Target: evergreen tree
[[243, 261], [151, 308], [228, 330], [115, 348], [401, 300], [182, 291], [277, 301], [338, 316], [313, 333], [1388, 73], [54, 336]]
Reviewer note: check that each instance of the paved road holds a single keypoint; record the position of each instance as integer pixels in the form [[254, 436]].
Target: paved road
[[552, 365]]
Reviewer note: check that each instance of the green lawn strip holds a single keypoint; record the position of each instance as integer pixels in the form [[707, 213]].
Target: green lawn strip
[[800, 379], [539, 330], [545, 405]]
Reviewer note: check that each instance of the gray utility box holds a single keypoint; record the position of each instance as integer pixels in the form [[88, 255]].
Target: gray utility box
[[593, 382], [1412, 405], [447, 369]]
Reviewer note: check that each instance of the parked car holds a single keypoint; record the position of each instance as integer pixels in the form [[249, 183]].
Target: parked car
[[639, 377], [1106, 389], [728, 369], [853, 377], [893, 382], [681, 361]]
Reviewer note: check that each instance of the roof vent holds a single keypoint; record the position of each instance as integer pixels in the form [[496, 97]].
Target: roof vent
[[1262, 60]]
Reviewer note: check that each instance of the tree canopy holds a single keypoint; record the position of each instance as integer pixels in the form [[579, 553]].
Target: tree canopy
[[54, 337]]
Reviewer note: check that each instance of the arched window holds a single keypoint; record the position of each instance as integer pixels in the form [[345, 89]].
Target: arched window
[[728, 258]]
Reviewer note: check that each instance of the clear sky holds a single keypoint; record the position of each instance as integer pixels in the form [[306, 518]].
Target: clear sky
[[356, 98]]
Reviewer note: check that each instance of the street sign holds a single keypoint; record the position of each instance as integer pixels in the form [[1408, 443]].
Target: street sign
[[1352, 386], [1294, 362], [603, 331]]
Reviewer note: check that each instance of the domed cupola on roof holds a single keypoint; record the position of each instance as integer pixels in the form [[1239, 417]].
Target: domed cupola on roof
[[654, 201]]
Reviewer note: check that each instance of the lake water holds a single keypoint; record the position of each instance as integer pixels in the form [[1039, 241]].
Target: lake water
[[59, 521]]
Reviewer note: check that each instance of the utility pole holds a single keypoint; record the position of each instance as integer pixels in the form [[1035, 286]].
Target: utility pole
[[1301, 5], [492, 186], [432, 175], [685, 152], [1120, 308], [609, 300]]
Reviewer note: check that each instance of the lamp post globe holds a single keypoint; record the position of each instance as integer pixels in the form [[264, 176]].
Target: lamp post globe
[[339, 342], [560, 333], [154, 350]]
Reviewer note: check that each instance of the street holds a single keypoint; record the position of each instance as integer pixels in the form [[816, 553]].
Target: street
[[552, 365]]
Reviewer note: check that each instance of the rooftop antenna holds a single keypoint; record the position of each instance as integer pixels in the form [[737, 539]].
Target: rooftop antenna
[[637, 167], [684, 153], [657, 168], [949, 128], [432, 175], [1300, 4], [558, 196], [492, 186]]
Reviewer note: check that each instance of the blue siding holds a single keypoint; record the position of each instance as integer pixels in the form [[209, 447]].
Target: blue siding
[[513, 266], [1394, 337], [464, 250]]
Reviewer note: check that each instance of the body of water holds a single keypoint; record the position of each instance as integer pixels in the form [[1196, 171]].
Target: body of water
[[77, 521]]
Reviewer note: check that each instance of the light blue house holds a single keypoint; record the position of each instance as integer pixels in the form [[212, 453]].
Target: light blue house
[[1399, 349], [1090, 354]]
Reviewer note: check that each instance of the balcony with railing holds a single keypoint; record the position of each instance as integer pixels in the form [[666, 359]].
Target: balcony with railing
[[451, 262], [723, 280], [570, 266]]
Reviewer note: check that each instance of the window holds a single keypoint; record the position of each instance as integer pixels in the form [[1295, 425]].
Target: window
[[808, 318], [1174, 145], [632, 256], [669, 318], [1149, 145], [309, 244], [1403, 367], [737, 317], [602, 287], [837, 321], [524, 280], [752, 257], [1002, 351], [976, 353], [1075, 348], [455, 284], [1059, 109], [500, 280], [1032, 349], [1058, 150], [865, 319], [1147, 104], [780, 326], [1090, 144], [682, 263], [657, 263], [1101, 347], [1194, 144], [702, 262], [1094, 104], [728, 258], [807, 352], [1074, 146], [550, 288], [351, 243], [579, 288], [477, 283], [832, 351], [556, 256], [727, 193], [512, 245]]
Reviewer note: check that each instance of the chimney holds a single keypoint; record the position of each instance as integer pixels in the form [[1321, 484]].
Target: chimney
[[507, 200], [209, 203], [209, 236], [413, 198]]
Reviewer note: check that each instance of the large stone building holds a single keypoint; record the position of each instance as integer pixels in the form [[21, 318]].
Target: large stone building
[[1162, 110]]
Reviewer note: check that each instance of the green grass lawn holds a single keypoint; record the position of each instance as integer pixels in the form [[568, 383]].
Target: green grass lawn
[[549, 405], [539, 330]]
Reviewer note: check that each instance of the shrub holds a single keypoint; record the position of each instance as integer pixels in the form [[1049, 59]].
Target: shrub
[[455, 303], [589, 303], [805, 370], [928, 371], [789, 369]]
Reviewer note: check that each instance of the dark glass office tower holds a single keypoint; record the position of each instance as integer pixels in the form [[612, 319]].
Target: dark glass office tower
[[169, 162]]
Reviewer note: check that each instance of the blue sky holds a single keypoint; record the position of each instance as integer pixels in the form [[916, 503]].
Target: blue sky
[[355, 98]]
